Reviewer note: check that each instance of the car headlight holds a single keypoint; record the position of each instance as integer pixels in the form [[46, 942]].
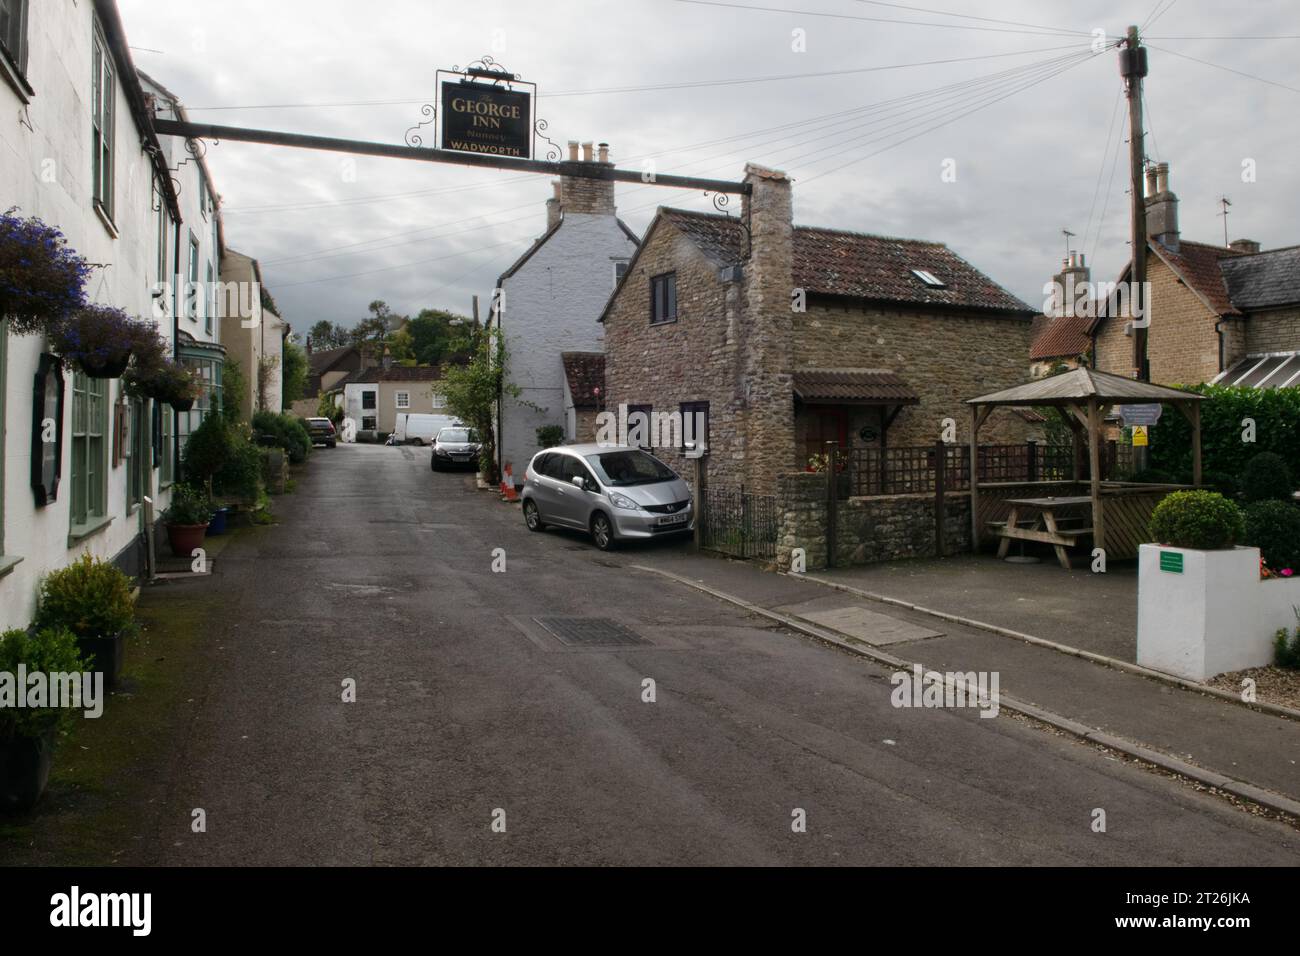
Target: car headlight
[[622, 501]]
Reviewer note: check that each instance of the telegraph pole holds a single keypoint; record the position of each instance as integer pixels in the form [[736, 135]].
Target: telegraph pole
[[1133, 67]]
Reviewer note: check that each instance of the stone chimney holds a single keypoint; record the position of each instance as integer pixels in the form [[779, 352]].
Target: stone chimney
[[1066, 284], [1162, 207], [553, 206], [1244, 245], [584, 196], [766, 364]]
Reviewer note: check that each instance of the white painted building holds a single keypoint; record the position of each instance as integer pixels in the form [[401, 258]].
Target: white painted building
[[78, 151], [553, 295]]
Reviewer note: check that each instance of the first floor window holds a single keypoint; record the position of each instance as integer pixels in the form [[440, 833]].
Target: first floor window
[[192, 297], [368, 399], [663, 298], [4, 364], [136, 448], [13, 31], [167, 461], [209, 298], [89, 447], [439, 401], [102, 107], [403, 399]]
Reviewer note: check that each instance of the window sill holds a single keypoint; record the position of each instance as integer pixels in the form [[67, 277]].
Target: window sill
[[105, 218], [80, 532], [15, 78], [672, 321], [8, 562]]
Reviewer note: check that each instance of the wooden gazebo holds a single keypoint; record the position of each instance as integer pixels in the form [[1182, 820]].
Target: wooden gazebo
[[1083, 398]]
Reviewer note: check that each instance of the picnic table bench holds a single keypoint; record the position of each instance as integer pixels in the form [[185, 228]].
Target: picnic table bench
[[1046, 524]]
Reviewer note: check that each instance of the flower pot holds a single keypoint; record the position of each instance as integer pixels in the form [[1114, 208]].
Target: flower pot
[[184, 538], [108, 368], [218, 523], [181, 404], [104, 654], [25, 770]]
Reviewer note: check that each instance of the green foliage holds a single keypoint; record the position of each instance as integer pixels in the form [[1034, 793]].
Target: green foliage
[[1286, 653], [1274, 528], [433, 334], [1204, 520], [326, 335], [1267, 478], [294, 382], [51, 650], [207, 449], [233, 386], [326, 407], [1275, 412], [241, 474], [288, 433], [189, 506], [471, 390], [90, 597], [548, 436]]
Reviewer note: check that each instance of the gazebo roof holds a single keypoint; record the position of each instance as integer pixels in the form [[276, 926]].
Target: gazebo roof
[[1081, 384]]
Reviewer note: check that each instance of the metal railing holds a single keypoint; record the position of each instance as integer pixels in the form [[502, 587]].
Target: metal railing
[[739, 523]]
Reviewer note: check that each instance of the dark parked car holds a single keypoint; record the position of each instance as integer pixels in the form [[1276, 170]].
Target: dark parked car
[[455, 446], [321, 431]]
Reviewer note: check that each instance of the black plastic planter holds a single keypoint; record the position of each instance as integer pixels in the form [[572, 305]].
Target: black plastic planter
[[110, 368], [25, 770], [104, 654], [181, 404]]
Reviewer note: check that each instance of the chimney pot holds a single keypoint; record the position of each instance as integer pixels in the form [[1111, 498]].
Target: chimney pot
[[586, 152], [1151, 181], [1244, 245], [603, 153], [1162, 177], [573, 150]]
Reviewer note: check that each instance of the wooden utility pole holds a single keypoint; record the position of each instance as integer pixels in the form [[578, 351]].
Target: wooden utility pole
[[1133, 67]]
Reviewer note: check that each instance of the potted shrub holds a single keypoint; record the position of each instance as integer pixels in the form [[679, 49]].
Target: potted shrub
[[100, 340], [187, 520], [42, 280], [27, 735], [92, 599]]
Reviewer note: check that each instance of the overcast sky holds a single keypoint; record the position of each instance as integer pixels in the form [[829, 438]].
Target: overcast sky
[[1028, 148]]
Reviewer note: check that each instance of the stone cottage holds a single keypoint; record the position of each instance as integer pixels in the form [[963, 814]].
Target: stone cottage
[[784, 337]]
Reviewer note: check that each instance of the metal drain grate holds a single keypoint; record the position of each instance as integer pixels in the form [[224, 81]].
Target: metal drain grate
[[590, 632]]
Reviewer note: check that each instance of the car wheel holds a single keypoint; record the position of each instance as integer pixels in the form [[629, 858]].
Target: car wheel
[[533, 517], [433, 463], [602, 532]]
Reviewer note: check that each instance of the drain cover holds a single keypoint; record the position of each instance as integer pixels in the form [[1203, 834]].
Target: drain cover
[[590, 631]]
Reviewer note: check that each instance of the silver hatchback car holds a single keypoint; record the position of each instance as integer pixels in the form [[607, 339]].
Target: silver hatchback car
[[611, 492]]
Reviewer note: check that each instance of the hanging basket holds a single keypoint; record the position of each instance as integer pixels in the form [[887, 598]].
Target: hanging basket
[[181, 404], [112, 367]]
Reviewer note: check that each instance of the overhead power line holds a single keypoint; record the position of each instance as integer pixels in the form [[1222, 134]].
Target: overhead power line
[[1226, 69]]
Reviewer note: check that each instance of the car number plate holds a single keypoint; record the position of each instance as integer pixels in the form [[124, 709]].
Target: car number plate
[[673, 519]]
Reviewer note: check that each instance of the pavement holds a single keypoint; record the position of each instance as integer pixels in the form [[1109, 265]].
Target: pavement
[[480, 737]]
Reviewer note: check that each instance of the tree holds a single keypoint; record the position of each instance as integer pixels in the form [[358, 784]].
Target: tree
[[326, 335], [472, 390], [233, 387], [433, 333], [294, 383]]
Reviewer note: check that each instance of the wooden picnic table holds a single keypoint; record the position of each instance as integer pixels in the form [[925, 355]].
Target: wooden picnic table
[[1045, 525]]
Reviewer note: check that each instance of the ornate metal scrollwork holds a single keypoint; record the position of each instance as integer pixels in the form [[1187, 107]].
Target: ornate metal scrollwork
[[553, 151], [413, 137], [721, 202], [489, 69]]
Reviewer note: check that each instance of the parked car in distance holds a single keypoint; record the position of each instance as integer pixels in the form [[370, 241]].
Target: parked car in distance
[[322, 431], [415, 428], [613, 493], [458, 445]]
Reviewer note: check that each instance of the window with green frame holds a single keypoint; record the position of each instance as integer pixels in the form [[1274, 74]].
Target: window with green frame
[[208, 371], [167, 461], [4, 365], [137, 454], [89, 449]]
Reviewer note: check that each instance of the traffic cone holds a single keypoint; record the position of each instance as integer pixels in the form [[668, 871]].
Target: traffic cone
[[508, 484]]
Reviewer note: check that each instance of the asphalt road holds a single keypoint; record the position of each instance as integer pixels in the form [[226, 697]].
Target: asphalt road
[[381, 572]]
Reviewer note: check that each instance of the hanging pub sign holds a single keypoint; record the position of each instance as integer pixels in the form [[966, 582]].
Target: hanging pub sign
[[47, 430], [485, 109]]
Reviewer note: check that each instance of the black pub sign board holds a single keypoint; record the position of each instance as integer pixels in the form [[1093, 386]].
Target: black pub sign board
[[484, 118]]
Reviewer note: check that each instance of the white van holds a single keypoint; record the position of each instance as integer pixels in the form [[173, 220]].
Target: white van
[[417, 429]]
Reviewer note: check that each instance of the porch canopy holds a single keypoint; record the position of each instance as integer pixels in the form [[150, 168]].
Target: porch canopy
[[1082, 397], [883, 389]]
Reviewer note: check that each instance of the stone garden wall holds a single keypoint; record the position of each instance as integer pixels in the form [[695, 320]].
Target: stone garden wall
[[868, 530]]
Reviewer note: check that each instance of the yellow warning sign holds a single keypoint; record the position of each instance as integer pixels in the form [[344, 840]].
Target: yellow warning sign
[[1139, 436]]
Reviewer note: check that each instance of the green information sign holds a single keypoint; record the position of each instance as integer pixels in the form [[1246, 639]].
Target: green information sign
[[1171, 561]]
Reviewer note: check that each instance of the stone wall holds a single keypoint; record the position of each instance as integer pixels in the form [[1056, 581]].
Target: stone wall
[[947, 358], [868, 530], [1277, 330]]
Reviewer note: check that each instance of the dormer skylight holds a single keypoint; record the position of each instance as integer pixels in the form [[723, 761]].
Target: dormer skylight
[[929, 278]]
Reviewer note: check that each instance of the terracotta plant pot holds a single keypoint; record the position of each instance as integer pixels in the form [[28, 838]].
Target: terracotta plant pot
[[184, 538], [104, 654], [24, 770]]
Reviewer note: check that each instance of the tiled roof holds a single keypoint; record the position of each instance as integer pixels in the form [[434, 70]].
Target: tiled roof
[[1062, 336], [860, 266], [1197, 264], [323, 360], [397, 373], [1083, 383], [1264, 279], [873, 386], [585, 373]]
